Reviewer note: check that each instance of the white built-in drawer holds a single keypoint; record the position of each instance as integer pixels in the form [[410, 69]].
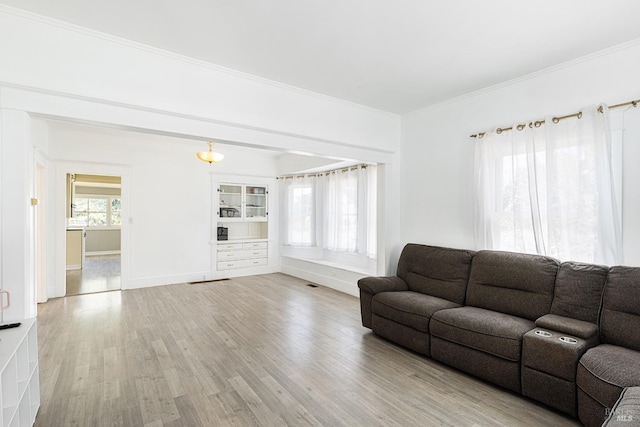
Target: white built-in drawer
[[254, 245], [229, 246], [242, 263], [256, 253]]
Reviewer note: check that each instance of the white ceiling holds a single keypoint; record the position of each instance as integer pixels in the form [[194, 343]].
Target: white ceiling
[[396, 56]]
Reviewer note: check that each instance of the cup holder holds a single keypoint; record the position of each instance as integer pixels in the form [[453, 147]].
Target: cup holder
[[544, 334], [568, 340]]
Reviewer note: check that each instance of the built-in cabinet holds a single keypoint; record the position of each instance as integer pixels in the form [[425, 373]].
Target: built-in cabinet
[[241, 202], [75, 248], [243, 227], [19, 377], [247, 254]]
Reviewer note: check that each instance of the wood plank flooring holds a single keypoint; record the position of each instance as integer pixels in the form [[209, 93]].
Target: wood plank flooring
[[262, 350], [98, 274]]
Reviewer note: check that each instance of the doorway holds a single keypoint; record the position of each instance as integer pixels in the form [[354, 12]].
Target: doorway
[[93, 233]]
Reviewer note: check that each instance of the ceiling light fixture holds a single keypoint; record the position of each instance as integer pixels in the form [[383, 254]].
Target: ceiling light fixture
[[210, 156]]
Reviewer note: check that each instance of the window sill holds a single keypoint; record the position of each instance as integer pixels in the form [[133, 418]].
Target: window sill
[[94, 228], [338, 266]]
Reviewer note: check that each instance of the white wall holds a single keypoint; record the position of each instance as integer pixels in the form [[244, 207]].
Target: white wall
[[17, 258], [437, 153], [167, 196], [294, 163]]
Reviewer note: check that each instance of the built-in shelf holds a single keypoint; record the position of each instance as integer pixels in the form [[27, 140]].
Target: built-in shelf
[[242, 202], [243, 229], [19, 376]]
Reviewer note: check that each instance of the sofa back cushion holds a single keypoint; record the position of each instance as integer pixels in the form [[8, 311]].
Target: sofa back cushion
[[436, 271], [578, 291], [512, 283], [620, 318]]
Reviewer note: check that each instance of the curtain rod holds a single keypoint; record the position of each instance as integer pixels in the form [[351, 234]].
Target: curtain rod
[[539, 123], [329, 172]]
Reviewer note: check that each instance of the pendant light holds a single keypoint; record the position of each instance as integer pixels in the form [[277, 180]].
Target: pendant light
[[210, 156]]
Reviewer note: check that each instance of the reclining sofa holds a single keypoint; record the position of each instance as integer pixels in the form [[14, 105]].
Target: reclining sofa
[[565, 334]]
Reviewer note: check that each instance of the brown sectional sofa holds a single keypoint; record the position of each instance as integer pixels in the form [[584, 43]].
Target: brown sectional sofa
[[565, 334]]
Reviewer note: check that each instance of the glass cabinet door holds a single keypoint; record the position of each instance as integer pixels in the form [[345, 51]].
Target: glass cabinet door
[[230, 200], [255, 202]]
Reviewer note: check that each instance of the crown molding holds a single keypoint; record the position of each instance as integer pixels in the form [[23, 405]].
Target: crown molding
[[24, 14], [531, 76]]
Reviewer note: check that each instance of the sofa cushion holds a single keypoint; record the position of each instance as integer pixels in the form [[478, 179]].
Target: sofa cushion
[[512, 283], [578, 291], [492, 332], [626, 412], [436, 271], [409, 308], [620, 319], [604, 371]]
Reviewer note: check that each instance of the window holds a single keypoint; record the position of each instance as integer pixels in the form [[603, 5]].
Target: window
[[341, 211], [334, 211], [98, 211], [116, 211], [549, 190], [300, 205]]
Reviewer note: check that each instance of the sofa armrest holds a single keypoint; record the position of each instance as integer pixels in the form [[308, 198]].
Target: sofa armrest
[[375, 285], [370, 286], [567, 325]]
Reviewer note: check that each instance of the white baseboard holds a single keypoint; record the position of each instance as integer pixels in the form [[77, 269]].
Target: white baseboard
[[99, 253], [171, 279], [250, 271], [348, 287]]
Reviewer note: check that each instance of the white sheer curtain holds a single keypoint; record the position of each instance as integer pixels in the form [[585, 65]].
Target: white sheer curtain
[[350, 211], [340, 227], [334, 211], [549, 189], [299, 207], [371, 212]]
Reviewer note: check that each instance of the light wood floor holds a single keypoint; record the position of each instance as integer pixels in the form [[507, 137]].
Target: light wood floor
[[263, 350], [98, 274]]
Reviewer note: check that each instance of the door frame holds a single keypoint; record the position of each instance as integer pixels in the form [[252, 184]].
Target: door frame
[[62, 169], [40, 227]]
